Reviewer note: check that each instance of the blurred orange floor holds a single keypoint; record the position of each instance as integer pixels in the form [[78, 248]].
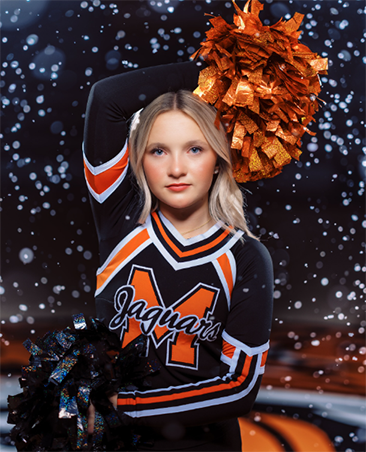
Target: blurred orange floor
[[325, 360]]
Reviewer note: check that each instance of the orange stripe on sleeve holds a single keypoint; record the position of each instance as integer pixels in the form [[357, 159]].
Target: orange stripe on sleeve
[[247, 363], [187, 253], [101, 182], [264, 358], [128, 249], [192, 393], [226, 268], [228, 349]]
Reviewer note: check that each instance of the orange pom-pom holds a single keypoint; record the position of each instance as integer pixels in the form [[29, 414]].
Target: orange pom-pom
[[264, 84]]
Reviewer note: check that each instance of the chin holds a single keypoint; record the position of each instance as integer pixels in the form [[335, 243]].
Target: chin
[[178, 205]]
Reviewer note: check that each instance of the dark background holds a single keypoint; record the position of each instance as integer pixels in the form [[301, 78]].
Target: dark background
[[310, 217]]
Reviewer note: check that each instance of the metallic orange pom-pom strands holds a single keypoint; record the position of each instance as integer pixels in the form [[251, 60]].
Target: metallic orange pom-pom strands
[[264, 84]]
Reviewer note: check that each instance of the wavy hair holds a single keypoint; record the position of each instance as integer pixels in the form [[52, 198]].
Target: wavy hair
[[225, 198]]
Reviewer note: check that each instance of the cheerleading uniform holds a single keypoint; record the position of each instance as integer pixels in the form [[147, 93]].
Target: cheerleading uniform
[[204, 303]]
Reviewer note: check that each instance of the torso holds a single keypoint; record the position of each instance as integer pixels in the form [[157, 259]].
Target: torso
[[176, 291]]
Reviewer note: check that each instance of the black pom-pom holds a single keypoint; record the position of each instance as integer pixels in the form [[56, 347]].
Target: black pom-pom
[[68, 370]]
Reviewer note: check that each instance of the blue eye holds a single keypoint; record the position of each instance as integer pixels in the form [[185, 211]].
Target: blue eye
[[157, 151], [195, 150]]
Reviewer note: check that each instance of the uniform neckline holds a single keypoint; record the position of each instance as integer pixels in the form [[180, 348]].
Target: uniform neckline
[[192, 240]]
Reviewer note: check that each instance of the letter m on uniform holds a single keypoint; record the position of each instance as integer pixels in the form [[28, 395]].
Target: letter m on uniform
[[178, 325]]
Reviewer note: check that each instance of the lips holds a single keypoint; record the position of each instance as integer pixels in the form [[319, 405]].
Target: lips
[[178, 187]]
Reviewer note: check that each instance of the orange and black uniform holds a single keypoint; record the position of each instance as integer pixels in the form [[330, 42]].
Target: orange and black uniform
[[205, 303]]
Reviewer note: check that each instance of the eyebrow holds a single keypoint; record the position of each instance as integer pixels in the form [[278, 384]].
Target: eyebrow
[[188, 143]]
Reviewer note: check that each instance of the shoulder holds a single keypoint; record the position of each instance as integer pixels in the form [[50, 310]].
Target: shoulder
[[251, 251]]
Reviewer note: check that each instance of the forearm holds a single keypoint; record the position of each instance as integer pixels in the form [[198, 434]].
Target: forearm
[[206, 401], [113, 100]]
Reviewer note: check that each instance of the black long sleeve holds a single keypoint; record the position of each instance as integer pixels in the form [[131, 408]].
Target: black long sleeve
[[112, 101]]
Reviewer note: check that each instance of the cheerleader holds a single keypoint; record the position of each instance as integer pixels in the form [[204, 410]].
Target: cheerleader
[[178, 263]]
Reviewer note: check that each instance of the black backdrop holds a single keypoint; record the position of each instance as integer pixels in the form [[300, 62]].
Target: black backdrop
[[309, 217]]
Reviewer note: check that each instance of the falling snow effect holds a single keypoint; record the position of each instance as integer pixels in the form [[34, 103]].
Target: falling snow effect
[[311, 217]]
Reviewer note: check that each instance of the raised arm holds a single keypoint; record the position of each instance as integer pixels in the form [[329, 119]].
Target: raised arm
[[111, 104], [113, 100]]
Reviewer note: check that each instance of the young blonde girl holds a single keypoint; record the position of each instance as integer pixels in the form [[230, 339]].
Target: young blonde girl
[[178, 263]]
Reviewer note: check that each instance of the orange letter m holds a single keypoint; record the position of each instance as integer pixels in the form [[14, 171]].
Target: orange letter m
[[183, 322]]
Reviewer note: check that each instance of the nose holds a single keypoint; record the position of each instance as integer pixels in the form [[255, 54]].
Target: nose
[[177, 167]]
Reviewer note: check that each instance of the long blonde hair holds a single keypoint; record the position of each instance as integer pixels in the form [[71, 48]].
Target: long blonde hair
[[225, 198]]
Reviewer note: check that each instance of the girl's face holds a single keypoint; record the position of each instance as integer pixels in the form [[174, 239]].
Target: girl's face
[[179, 164]]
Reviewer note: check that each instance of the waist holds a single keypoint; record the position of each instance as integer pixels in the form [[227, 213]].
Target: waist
[[174, 436]]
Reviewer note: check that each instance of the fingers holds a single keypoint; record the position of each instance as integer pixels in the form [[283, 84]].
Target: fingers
[[91, 413], [91, 418], [113, 400]]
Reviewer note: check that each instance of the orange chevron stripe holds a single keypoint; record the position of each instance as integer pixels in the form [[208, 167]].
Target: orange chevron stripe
[[228, 349], [192, 393], [101, 182], [264, 358], [129, 248], [187, 253], [226, 268]]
